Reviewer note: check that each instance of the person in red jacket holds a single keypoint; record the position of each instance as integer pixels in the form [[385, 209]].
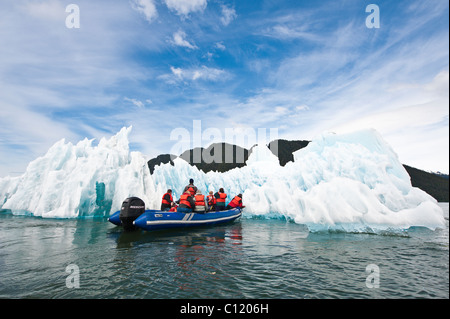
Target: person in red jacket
[[167, 200], [236, 202], [191, 188], [187, 203], [201, 206], [211, 201], [220, 199]]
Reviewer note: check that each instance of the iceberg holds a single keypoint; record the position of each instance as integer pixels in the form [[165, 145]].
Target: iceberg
[[79, 180], [340, 182]]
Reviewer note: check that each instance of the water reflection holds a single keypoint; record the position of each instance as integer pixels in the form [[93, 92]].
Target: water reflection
[[181, 262], [202, 257], [183, 237]]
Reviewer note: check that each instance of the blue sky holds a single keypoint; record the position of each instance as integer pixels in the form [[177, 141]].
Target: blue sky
[[302, 67]]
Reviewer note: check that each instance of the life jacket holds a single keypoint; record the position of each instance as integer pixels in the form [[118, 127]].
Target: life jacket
[[199, 200], [191, 190], [164, 200], [173, 209], [211, 200], [236, 202], [184, 200], [221, 198]]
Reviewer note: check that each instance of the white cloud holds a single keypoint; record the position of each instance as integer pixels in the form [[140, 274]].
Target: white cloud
[[286, 33], [302, 107], [179, 39], [136, 102], [208, 55], [178, 72], [220, 46], [210, 74], [281, 110], [147, 8], [439, 85], [184, 7], [228, 15], [195, 74]]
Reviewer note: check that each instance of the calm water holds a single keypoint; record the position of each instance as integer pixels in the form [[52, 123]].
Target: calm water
[[247, 259]]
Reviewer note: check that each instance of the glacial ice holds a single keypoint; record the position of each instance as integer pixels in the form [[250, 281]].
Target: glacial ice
[[64, 182], [347, 182]]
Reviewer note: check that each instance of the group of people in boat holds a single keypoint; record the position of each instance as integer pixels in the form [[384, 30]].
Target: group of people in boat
[[192, 200]]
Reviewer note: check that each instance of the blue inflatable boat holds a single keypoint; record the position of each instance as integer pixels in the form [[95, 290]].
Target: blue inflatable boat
[[158, 220]]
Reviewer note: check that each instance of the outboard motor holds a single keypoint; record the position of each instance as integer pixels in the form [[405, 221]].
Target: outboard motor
[[131, 209]]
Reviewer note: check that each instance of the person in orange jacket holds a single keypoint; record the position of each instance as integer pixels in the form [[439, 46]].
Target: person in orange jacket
[[236, 202], [191, 188], [167, 201], [220, 199], [187, 203], [201, 205], [211, 200]]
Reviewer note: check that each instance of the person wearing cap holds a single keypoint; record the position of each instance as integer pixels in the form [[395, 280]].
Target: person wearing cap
[[201, 206], [236, 202], [191, 188]]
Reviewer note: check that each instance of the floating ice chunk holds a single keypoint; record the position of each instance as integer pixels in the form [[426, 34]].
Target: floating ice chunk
[[350, 182], [62, 183]]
